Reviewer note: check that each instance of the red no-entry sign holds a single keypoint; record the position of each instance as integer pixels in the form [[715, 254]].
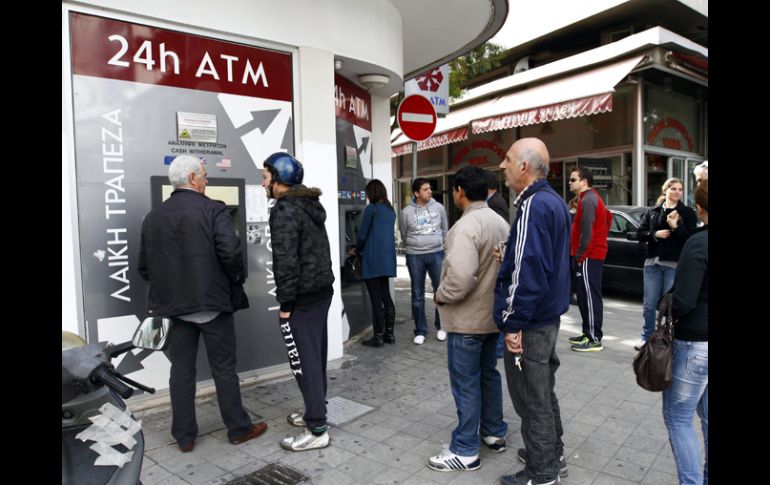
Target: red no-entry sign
[[416, 117]]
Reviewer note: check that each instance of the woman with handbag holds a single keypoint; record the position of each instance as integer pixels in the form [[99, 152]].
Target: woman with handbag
[[665, 227], [689, 390], [377, 246]]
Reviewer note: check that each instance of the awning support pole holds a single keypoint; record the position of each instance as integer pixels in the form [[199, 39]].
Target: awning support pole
[[639, 171]]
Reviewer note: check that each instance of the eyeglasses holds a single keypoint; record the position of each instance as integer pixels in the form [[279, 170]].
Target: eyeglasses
[[573, 180]]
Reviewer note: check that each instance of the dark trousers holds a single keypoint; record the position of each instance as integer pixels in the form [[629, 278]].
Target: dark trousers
[[589, 296], [379, 294], [305, 337], [219, 337], [535, 402]]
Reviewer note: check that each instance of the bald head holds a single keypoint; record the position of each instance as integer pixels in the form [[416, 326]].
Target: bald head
[[525, 162]]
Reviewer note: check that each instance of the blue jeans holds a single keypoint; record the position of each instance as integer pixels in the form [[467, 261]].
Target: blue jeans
[[477, 389], [657, 281], [418, 265], [688, 394]]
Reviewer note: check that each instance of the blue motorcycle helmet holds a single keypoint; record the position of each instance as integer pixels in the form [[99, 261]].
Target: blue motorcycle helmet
[[285, 168]]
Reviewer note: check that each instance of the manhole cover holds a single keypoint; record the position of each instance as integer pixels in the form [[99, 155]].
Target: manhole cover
[[340, 410], [273, 474]]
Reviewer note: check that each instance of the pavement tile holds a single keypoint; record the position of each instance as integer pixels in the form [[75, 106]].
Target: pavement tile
[[635, 456], [646, 444], [154, 474], [334, 477], [585, 459], [655, 477], [201, 473], [410, 461], [599, 447], [361, 468], [403, 441], [625, 470]]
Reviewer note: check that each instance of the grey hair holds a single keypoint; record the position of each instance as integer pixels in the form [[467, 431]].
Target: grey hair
[[180, 169], [538, 165]]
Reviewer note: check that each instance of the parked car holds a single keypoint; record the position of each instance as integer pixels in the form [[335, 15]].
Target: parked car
[[624, 264]]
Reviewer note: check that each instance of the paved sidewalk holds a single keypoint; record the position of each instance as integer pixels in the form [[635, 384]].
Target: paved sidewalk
[[614, 432]]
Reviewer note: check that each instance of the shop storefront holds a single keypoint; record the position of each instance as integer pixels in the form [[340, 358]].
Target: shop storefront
[[629, 116]]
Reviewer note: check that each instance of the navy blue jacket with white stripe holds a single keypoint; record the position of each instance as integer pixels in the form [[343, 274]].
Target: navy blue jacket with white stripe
[[533, 285]]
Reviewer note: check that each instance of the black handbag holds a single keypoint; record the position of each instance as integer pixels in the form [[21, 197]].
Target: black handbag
[[351, 271], [652, 365]]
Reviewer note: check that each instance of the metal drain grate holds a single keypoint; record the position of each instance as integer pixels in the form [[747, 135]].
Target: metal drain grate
[[340, 410], [273, 474]]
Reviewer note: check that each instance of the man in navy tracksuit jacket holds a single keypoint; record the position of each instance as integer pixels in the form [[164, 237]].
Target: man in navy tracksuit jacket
[[588, 248], [531, 294]]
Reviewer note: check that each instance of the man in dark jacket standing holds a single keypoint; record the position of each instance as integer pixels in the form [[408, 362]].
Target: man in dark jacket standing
[[588, 248], [192, 258], [495, 201], [303, 277], [531, 294]]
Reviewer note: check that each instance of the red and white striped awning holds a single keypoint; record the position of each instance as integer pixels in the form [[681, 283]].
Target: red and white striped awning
[[582, 94]]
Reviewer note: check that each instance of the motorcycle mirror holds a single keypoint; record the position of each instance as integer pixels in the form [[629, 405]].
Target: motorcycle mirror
[[152, 333]]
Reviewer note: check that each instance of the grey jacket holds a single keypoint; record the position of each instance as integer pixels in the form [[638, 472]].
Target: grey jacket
[[466, 294], [423, 228]]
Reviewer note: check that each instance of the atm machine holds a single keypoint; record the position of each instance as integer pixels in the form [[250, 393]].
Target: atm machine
[[352, 201]]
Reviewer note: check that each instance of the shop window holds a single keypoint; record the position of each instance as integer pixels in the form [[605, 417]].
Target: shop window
[[657, 173], [671, 119]]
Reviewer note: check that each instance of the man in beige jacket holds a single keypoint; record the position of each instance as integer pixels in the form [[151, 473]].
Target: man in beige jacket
[[465, 299]]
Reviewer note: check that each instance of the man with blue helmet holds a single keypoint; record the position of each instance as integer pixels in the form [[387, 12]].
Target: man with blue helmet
[[302, 269]]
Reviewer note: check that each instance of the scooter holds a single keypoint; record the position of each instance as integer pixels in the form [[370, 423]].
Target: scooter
[[101, 441]]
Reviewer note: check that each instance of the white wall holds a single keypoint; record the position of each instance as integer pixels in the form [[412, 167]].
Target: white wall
[[317, 150], [382, 166]]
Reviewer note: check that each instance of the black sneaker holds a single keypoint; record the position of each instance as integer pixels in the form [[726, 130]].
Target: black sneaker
[[588, 345], [494, 443], [578, 339], [523, 455], [523, 478]]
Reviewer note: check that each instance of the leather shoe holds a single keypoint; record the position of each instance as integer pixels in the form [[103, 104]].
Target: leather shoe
[[255, 431], [186, 448]]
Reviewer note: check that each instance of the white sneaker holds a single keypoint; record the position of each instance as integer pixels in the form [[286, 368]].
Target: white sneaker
[[638, 345], [305, 441], [449, 462], [441, 335], [419, 339], [296, 419]]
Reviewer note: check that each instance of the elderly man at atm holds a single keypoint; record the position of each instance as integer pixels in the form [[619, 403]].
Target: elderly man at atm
[[191, 256]]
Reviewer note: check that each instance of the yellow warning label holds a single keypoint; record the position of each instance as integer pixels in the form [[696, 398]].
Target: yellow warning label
[[184, 134]]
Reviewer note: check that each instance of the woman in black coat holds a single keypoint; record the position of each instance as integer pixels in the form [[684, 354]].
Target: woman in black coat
[[665, 227]]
